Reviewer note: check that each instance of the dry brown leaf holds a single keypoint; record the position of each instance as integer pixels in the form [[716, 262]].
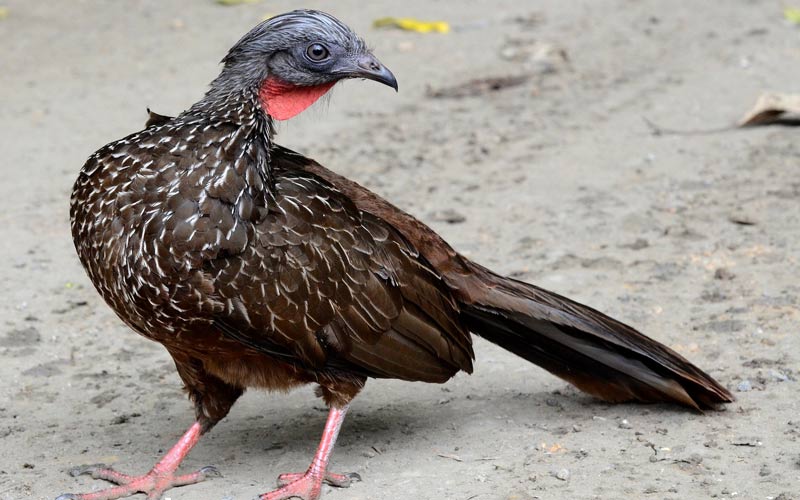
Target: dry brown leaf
[[770, 107]]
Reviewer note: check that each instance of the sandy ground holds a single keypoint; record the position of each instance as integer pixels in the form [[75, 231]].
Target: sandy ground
[[559, 180]]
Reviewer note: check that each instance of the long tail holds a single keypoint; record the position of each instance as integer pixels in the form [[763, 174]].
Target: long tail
[[596, 353]]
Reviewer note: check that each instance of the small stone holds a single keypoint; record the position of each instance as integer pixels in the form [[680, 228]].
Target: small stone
[[563, 475], [448, 215], [624, 424], [723, 273], [742, 218], [695, 459], [779, 376], [125, 418], [552, 403], [639, 244], [764, 471], [744, 386]]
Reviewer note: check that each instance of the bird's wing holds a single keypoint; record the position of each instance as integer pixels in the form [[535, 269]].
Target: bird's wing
[[337, 288], [597, 353]]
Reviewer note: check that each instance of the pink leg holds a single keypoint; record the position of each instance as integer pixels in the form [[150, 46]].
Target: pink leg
[[308, 486], [154, 483]]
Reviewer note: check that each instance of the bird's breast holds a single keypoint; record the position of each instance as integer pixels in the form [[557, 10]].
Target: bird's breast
[[148, 212]]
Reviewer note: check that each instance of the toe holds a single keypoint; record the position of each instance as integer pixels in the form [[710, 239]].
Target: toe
[[302, 486], [288, 478]]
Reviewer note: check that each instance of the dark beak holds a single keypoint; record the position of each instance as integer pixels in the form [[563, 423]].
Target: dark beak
[[369, 67]]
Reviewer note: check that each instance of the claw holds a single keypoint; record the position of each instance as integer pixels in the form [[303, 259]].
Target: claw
[[341, 480], [209, 471], [84, 469]]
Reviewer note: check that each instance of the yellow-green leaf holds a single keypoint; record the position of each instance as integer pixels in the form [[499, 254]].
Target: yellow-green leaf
[[411, 24], [792, 14]]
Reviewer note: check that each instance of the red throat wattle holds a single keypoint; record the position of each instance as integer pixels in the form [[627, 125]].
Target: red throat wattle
[[283, 100]]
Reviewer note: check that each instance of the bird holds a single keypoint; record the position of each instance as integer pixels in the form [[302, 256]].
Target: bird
[[258, 268]]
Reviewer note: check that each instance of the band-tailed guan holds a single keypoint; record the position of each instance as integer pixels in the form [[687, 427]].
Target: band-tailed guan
[[257, 267]]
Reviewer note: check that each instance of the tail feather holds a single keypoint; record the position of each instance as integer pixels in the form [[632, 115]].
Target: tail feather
[[596, 353]]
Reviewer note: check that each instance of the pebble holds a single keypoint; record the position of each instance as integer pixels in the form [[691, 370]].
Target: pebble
[[449, 216], [778, 375], [563, 475], [744, 386], [723, 273], [625, 424]]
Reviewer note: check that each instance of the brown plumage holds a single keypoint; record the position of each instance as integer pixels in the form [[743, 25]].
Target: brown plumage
[[257, 267]]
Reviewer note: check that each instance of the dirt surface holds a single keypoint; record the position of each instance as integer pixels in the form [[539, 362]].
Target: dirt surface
[[548, 172]]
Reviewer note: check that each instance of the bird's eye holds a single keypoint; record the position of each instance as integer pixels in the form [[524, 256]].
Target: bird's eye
[[317, 52]]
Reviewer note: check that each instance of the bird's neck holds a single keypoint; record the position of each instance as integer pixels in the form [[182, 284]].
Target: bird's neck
[[250, 129], [251, 105], [238, 107]]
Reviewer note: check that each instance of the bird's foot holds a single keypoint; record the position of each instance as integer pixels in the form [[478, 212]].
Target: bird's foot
[[338, 480], [308, 485], [153, 484]]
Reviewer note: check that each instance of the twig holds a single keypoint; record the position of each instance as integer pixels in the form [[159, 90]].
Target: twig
[[658, 130]]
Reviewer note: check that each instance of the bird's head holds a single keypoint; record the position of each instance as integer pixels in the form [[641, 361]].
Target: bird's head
[[295, 58]]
